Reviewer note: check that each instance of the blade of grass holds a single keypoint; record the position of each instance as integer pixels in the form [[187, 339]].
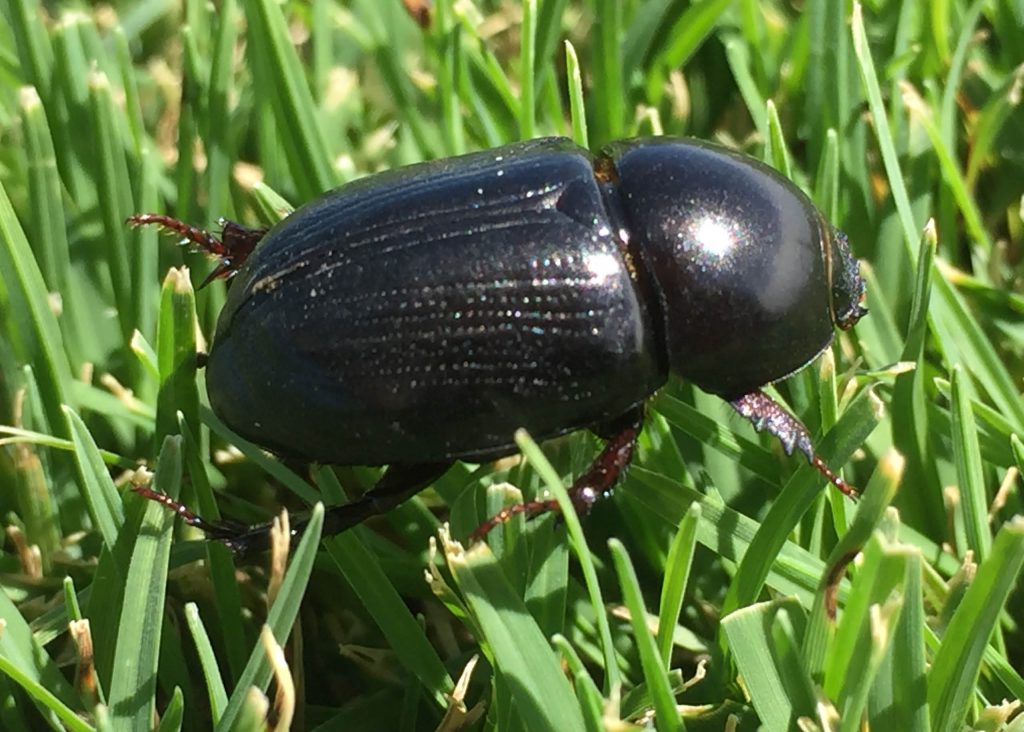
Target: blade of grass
[[279, 72], [535, 683], [579, 544], [673, 587], [41, 342], [765, 640], [527, 66], [655, 672], [132, 698], [383, 603], [215, 689], [280, 619], [956, 665]]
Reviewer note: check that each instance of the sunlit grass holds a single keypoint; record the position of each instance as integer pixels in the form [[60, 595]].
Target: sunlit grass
[[902, 121]]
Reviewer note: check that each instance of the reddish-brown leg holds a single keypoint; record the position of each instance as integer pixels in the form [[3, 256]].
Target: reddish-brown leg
[[767, 415], [220, 530], [397, 485], [232, 247], [589, 488]]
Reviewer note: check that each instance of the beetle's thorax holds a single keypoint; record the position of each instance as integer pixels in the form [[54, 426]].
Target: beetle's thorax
[[735, 254]]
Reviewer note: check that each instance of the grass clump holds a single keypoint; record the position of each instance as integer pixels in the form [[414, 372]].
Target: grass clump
[[699, 594]]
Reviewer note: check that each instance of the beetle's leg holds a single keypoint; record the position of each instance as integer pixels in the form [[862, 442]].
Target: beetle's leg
[[200, 237], [238, 242], [768, 415], [398, 484], [232, 247], [593, 485], [220, 530]]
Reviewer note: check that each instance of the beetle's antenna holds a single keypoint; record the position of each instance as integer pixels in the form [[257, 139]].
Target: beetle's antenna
[[767, 415]]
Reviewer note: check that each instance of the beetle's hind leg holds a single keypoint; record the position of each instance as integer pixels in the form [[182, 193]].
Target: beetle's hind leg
[[397, 485], [232, 247], [596, 483], [767, 415]]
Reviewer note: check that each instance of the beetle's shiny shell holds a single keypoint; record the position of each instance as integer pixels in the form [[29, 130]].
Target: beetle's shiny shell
[[426, 313]]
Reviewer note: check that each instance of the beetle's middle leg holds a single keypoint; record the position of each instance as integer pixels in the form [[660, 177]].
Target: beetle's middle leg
[[596, 483]]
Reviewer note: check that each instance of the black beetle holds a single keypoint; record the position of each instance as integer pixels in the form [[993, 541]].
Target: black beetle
[[421, 315]]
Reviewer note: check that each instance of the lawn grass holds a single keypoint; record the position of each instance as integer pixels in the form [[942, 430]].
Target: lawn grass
[[698, 596]]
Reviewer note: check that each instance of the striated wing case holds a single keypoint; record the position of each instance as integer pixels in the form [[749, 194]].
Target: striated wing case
[[425, 313]]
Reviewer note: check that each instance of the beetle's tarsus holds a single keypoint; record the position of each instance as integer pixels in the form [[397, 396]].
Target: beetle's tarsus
[[769, 416], [213, 529], [529, 509]]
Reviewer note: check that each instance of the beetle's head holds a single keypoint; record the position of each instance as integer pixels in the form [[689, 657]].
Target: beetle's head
[[846, 302]]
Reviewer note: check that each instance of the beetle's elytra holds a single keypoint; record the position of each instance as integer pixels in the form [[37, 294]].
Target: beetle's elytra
[[420, 316]]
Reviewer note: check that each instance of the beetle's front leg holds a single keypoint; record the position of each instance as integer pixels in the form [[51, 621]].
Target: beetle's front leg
[[593, 485], [767, 415]]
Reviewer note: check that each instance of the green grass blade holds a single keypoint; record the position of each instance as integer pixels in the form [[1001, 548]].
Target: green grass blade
[[678, 564], [885, 140], [280, 619], [115, 199], [24, 660], [608, 107], [279, 73], [765, 641], [967, 457], [579, 545], [957, 663], [655, 674], [101, 495], [39, 336], [215, 688], [539, 690], [576, 108], [132, 696], [527, 71], [363, 572], [176, 355], [900, 693]]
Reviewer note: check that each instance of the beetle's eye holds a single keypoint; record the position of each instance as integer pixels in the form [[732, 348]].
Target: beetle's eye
[[846, 287]]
